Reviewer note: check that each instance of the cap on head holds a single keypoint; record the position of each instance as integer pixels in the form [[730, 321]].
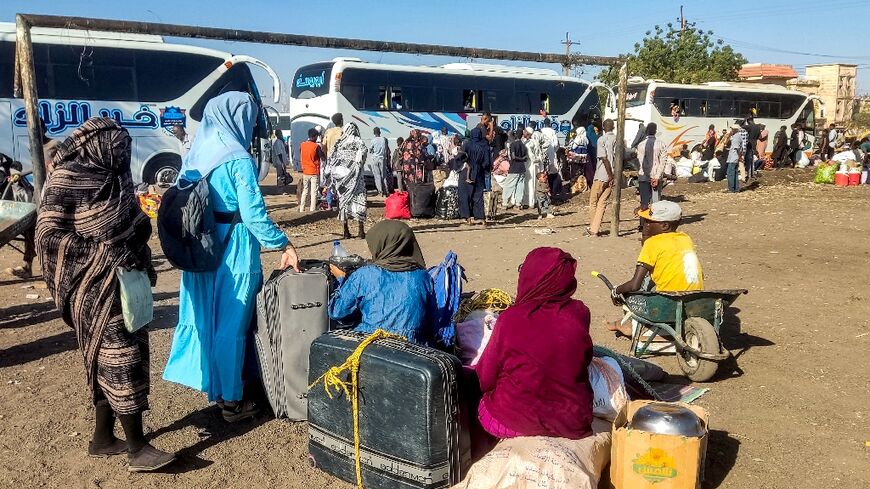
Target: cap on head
[[662, 211]]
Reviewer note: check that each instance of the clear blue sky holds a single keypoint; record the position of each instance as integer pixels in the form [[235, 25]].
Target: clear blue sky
[[797, 32]]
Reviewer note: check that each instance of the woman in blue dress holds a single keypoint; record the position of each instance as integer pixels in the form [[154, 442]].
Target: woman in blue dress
[[394, 293], [216, 308]]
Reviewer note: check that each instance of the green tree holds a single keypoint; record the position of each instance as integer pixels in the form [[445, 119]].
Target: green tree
[[677, 56]]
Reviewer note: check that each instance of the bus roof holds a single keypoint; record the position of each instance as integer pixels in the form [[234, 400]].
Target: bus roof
[[478, 69], [106, 39], [719, 85]]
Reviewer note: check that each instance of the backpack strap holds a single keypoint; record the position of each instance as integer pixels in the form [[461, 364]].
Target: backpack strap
[[228, 218]]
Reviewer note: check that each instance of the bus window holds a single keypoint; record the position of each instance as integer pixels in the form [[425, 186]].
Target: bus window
[[469, 100], [396, 101], [238, 78], [312, 81], [808, 118], [635, 95], [383, 99], [545, 102]]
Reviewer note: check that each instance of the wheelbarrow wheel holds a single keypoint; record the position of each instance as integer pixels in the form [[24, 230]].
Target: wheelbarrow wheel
[[699, 334]]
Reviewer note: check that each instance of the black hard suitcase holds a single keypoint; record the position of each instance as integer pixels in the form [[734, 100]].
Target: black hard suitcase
[[413, 426], [291, 313]]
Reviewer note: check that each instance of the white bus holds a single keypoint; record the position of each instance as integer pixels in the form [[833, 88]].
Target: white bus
[[716, 103], [399, 98], [147, 85]]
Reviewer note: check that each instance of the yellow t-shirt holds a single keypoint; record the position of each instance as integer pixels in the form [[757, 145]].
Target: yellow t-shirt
[[675, 266], [332, 135]]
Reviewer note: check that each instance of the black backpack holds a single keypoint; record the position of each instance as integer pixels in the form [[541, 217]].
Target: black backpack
[[186, 225]]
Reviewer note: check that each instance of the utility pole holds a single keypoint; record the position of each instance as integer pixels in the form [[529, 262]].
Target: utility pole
[[566, 68], [620, 150], [682, 21]]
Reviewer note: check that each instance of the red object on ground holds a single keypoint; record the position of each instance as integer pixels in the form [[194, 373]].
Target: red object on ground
[[841, 179], [854, 179], [397, 206]]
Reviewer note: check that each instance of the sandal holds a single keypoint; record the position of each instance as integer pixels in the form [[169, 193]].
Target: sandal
[[149, 459], [116, 447], [236, 411], [20, 272]]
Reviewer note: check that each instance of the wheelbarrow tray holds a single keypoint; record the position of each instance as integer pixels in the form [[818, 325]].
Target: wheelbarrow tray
[[669, 307], [15, 218]]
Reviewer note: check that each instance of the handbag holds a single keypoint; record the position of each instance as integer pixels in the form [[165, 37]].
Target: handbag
[[137, 301]]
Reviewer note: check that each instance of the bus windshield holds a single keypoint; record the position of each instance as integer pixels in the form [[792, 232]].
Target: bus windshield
[[312, 81]]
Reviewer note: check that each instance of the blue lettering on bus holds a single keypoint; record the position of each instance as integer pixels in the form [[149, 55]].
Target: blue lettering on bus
[[62, 115], [515, 122], [311, 81]]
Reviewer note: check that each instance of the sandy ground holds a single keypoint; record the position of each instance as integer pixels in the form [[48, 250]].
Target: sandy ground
[[794, 414]]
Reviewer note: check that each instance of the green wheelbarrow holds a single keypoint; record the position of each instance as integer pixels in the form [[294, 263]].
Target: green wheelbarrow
[[690, 321]]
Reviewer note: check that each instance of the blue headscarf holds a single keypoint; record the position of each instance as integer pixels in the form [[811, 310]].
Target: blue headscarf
[[224, 135]]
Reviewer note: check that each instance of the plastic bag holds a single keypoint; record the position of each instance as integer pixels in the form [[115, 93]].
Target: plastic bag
[[472, 335], [397, 206], [137, 301], [608, 388], [538, 461], [825, 173]]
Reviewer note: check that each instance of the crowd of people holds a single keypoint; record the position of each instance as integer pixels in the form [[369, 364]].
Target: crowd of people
[[90, 226]]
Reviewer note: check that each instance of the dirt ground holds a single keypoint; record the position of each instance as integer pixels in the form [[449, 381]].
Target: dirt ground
[[794, 414]]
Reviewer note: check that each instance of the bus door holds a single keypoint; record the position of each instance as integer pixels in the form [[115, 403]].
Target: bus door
[[6, 135]]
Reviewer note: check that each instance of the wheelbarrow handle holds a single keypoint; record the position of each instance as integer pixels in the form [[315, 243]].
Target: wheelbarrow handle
[[603, 279]]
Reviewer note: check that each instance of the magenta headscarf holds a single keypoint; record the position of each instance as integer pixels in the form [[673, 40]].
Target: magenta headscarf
[[546, 278], [533, 373]]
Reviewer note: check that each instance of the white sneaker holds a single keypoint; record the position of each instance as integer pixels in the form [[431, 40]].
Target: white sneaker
[[551, 216]]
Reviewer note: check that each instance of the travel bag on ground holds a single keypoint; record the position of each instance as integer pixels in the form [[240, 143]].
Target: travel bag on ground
[[447, 205], [397, 206], [422, 200], [291, 313], [413, 428]]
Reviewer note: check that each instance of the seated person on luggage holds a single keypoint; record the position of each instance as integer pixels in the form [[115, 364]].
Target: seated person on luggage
[[534, 372], [394, 292], [667, 257]]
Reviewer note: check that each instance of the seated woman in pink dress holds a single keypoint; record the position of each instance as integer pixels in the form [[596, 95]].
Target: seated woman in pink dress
[[534, 372]]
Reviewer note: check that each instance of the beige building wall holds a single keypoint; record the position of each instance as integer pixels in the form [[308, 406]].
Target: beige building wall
[[836, 90]]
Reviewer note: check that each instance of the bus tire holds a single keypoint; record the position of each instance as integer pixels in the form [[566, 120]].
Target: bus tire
[[162, 170]]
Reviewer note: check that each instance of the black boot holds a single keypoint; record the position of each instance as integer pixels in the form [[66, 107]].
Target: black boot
[[362, 230], [142, 456], [346, 231], [104, 443]]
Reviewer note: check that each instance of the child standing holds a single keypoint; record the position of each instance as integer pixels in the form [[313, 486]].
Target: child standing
[[542, 196]]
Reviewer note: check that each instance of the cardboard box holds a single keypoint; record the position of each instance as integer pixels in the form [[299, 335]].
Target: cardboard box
[[641, 460]]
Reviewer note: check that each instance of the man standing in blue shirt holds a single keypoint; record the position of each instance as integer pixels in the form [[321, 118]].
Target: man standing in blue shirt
[[735, 157]]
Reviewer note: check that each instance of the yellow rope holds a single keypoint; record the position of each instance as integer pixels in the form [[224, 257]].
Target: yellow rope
[[495, 300], [332, 381]]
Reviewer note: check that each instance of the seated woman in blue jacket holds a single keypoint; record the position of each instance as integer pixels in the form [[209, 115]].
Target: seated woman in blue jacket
[[394, 292]]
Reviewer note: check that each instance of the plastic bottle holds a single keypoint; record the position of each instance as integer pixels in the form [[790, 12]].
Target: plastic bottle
[[337, 250]]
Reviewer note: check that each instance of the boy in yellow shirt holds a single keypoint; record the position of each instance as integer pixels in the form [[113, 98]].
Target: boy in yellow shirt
[[667, 256]]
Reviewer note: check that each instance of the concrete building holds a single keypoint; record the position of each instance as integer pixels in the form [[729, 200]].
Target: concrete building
[[766, 73], [836, 90]]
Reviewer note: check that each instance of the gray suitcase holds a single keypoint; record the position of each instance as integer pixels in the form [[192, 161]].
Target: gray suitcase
[[291, 313]]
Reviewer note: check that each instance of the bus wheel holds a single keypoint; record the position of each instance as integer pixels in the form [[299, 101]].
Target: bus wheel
[[162, 170]]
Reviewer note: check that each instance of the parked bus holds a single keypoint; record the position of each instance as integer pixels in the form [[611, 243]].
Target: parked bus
[[716, 103], [399, 98], [147, 85]]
